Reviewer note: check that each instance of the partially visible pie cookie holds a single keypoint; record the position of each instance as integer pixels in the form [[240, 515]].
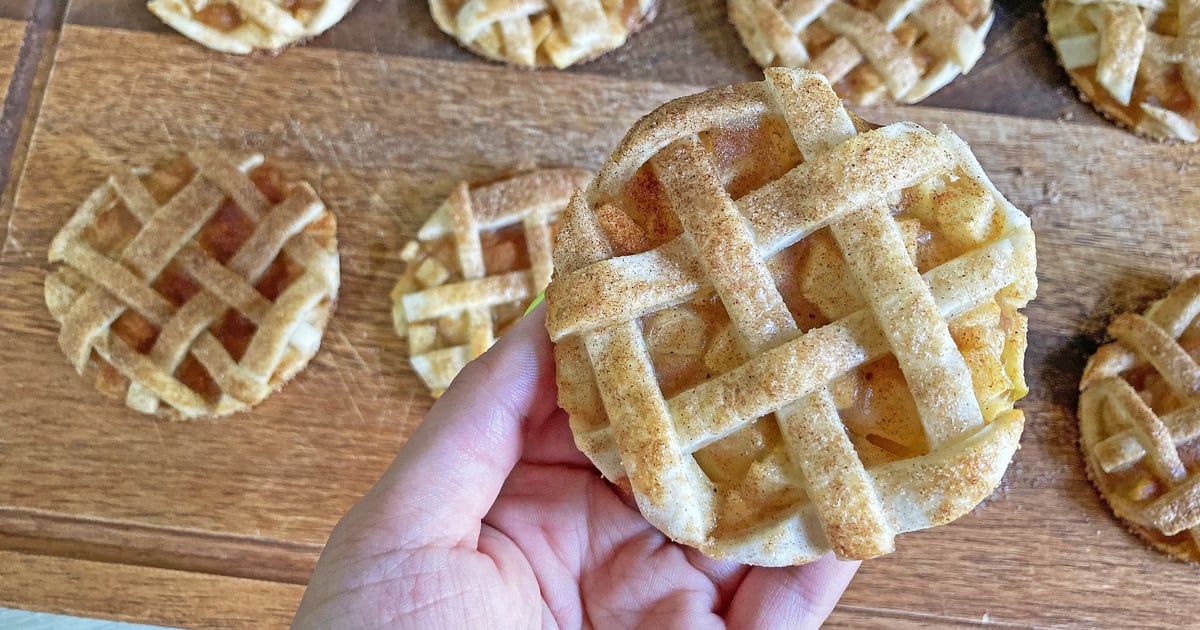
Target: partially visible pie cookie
[[870, 51], [1139, 421], [196, 289], [536, 33], [244, 26], [789, 331], [475, 265], [1136, 62]]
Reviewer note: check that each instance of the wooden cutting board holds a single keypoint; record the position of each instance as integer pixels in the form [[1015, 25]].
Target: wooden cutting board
[[214, 523]]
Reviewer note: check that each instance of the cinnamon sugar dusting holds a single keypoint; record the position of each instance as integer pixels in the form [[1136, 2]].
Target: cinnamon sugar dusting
[[761, 407]]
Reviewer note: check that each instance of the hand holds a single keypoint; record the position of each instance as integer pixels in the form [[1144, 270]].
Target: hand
[[490, 518]]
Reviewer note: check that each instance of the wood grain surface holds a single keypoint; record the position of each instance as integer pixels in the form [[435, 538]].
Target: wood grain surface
[[384, 121], [144, 595], [12, 32], [692, 42]]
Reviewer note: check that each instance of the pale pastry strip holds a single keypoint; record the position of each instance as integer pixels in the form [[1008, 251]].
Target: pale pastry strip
[[1122, 41], [717, 407], [751, 394], [813, 194], [737, 104], [567, 31], [777, 34], [1140, 339], [951, 35], [836, 480], [448, 299], [148, 264], [914, 493], [517, 34], [248, 379], [838, 60], [511, 200], [667, 482], [919, 338], [893, 12], [1148, 340], [1153, 5], [480, 334], [1173, 314], [1123, 448], [874, 42], [1153, 432], [267, 347], [1178, 509], [124, 285], [231, 178], [478, 15], [1187, 43], [531, 199], [540, 245], [723, 243], [438, 367]]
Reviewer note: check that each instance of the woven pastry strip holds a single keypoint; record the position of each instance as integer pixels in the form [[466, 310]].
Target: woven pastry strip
[[113, 285], [541, 32], [244, 26], [629, 428], [1134, 60], [465, 295], [1120, 430], [892, 50]]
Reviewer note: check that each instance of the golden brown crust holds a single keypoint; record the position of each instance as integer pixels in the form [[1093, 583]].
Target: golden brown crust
[[768, 398], [1139, 421], [205, 285]]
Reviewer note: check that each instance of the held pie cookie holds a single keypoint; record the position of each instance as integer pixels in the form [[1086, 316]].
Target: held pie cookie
[[870, 51], [196, 289], [476, 264], [1139, 421], [1133, 61], [244, 26], [537, 33], [790, 331]]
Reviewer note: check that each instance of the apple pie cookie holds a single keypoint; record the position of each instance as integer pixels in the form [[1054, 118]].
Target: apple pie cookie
[[537, 33], [789, 331], [197, 289], [1139, 421], [870, 51], [475, 265], [1132, 61], [244, 26]]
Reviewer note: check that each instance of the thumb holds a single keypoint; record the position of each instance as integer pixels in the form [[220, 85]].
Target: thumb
[[447, 476]]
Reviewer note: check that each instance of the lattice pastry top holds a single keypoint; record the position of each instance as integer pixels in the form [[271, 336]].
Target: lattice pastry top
[[791, 331], [1133, 60], [196, 289], [476, 265], [1139, 421], [871, 50], [244, 26], [555, 33]]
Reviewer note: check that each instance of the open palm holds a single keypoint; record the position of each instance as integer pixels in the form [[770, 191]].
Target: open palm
[[490, 517]]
